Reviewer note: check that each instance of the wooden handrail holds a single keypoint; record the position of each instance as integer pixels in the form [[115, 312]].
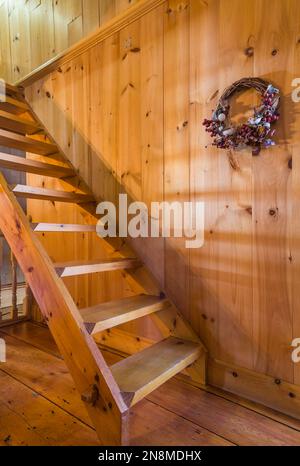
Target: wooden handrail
[[108, 29]]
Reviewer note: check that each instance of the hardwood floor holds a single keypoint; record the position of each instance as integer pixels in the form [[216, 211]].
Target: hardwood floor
[[40, 406]]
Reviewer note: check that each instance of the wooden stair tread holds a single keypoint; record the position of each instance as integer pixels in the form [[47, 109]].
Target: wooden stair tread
[[62, 227], [13, 105], [70, 269], [30, 192], [143, 372], [18, 141], [113, 313], [14, 162], [15, 123]]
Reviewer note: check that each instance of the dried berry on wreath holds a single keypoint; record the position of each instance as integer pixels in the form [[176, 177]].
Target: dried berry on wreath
[[257, 131]]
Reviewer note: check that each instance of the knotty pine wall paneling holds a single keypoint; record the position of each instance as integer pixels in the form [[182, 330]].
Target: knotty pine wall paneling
[[34, 31], [139, 127], [5, 45]]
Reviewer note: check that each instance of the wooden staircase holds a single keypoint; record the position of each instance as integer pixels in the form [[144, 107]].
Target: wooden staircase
[[108, 392]]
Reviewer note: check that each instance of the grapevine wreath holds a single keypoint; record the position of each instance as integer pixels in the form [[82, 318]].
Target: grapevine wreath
[[257, 131]]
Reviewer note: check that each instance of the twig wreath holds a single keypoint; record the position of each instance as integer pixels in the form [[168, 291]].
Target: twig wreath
[[256, 132]]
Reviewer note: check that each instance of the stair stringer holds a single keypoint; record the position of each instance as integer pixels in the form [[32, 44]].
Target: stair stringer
[[92, 377]]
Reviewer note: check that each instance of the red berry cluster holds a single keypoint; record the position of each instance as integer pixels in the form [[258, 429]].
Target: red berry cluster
[[212, 126]]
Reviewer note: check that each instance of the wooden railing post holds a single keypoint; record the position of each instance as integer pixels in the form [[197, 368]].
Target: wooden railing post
[[28, 302], [1, 268], [14, 286]]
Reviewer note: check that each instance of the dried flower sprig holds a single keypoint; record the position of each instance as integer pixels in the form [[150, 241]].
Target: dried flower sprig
[[257, 131]]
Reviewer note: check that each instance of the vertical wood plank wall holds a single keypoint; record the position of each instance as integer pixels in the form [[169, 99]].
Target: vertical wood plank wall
[[34, 31], [128, 115]]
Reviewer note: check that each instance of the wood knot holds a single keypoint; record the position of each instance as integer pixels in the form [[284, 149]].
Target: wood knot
[[234, 374], [273, 212], [7, 439], [249, 51], [183, 125], [91, 395], [274, 52]]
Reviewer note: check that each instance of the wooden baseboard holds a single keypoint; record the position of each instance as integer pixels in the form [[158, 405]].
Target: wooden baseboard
[[273, 393], [7, 322]]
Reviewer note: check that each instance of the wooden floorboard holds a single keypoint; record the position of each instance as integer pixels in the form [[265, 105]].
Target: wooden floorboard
[[47, 375], [242, 426], [28, 419], [175, 414], [35, 334]]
